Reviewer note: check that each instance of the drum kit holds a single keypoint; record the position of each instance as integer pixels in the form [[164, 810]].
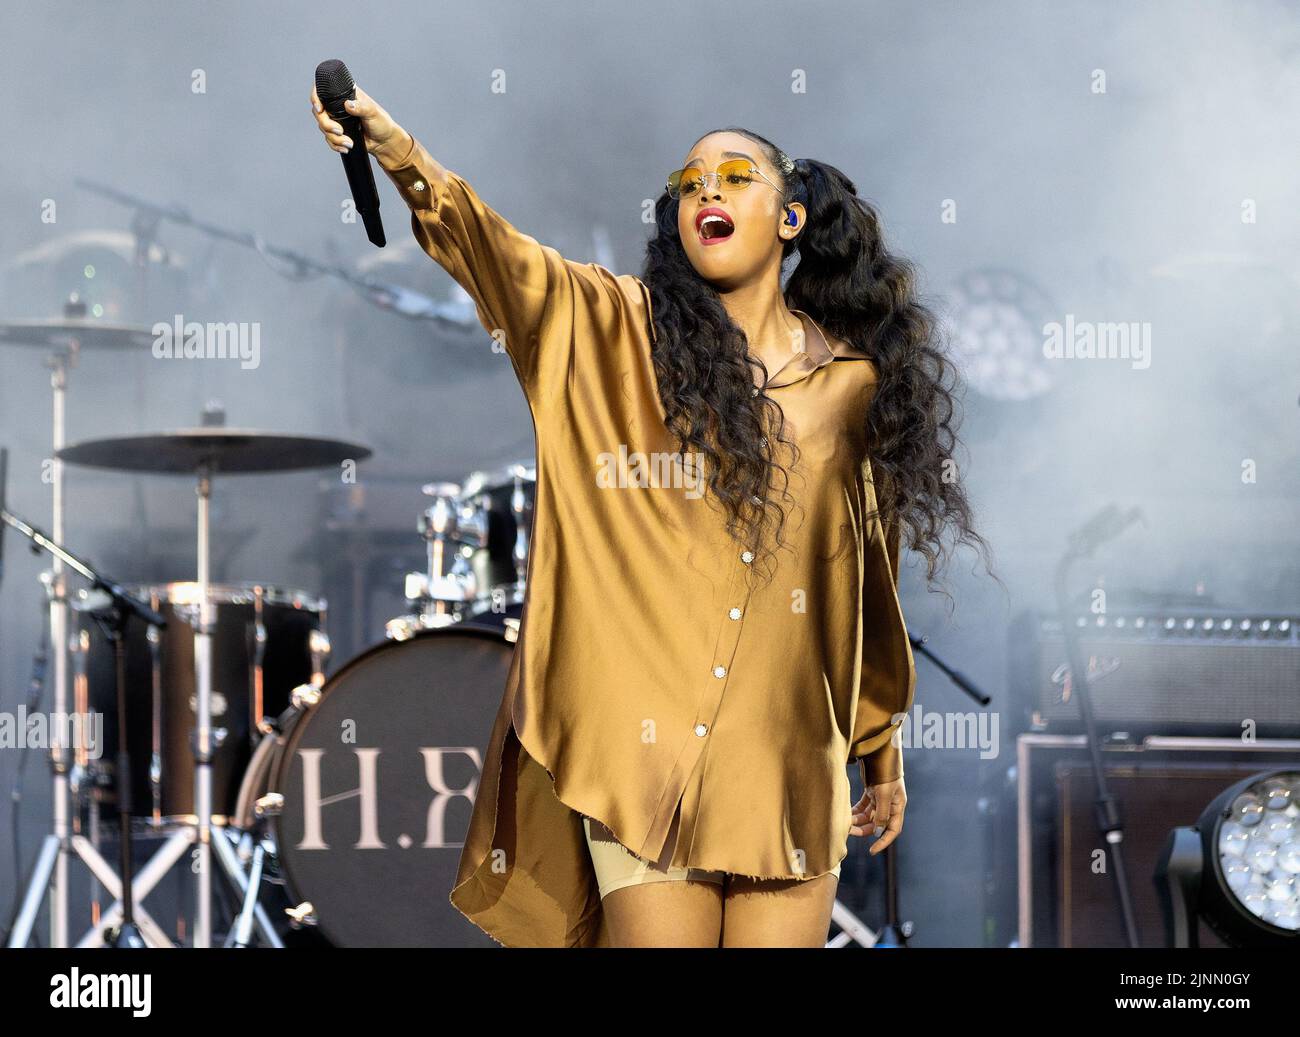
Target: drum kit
[[324, 804]]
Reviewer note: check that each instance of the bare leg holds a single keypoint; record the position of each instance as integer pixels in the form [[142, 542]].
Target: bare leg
[[678, 913], [665, 914], [778, 912]]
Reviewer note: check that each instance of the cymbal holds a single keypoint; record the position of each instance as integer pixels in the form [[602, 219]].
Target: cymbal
[[183, 451], [89, 334]]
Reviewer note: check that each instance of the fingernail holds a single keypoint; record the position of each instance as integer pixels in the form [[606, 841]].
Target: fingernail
[[316, 105], [349, 104]]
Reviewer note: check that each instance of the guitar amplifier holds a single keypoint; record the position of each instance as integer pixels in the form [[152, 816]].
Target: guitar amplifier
[[1175, 671], [1066, 894]]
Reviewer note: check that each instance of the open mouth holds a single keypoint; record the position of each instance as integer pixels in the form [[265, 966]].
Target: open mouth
[[714, 225]]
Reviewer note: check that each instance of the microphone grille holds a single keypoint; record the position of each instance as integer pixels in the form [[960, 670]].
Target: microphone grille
[[334, 83]]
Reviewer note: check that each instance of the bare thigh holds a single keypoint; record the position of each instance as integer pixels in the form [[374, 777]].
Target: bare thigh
[[680, 912], [665, 914], [778, 912]]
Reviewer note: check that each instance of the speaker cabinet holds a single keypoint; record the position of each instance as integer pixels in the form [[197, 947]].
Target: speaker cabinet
[[1066, 883]]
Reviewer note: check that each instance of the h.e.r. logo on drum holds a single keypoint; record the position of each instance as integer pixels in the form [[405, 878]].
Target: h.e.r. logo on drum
[[367, 795]]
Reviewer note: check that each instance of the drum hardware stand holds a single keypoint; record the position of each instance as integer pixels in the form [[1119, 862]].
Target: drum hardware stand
[[254, 841], [198, 452], [59, 363], [254, 845], [440, 593], [52, 857], [203, 719], [126, 934]]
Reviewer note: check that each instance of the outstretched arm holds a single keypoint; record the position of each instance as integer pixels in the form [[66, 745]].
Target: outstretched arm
[[525, 293]]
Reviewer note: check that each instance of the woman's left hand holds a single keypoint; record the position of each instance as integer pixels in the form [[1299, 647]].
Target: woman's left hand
[[880, 812]]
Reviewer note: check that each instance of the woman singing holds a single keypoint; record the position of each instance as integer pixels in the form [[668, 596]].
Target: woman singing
[[711, 631]]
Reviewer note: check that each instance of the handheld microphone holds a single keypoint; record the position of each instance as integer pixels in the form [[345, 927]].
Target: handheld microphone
[[334, 85]]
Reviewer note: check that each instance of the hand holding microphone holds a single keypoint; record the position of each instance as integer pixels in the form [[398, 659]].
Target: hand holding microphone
[[384, 138], [346, 114]]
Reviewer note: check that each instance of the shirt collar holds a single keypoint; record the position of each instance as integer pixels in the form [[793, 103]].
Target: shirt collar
[[819, 352]]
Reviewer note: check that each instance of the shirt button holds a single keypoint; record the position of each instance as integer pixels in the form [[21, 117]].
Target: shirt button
[[701, 729], [734, 613], [753, 392], [419, 185], [747, 557], [719, 671]]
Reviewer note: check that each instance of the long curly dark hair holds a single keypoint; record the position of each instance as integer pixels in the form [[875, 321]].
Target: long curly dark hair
[[853, 287]]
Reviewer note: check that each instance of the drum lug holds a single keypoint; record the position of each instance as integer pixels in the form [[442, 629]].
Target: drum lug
[[304, 696], [318, 643], [302, 916], [219, 705], [269, 805], [77, 776], [416, 586], [219, 735]]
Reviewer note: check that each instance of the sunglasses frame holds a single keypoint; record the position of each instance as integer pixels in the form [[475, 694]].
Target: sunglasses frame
[[679, 173]]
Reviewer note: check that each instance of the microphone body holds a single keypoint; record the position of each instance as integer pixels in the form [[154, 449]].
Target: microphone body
[[334, 85]]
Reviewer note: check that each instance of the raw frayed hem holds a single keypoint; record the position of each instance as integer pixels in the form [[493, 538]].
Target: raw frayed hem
[[609, 828], [491, 936]]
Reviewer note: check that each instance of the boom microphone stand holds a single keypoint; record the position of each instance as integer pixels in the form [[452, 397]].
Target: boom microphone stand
[[1103, 526], [127, 933]]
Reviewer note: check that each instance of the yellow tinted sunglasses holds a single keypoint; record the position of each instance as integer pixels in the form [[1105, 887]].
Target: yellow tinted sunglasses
[[735, 175]]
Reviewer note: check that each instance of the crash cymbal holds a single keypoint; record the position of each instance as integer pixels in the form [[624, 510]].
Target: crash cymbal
[[184, 451], [88, 334]]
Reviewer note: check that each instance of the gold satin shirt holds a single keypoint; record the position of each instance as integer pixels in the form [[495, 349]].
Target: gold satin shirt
[[651, 681]]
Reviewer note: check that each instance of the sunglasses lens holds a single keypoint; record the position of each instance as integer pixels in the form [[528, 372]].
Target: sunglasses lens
[[684, 183], [735, 174]]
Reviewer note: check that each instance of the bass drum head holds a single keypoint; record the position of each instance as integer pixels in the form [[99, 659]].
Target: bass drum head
[[378, 780]]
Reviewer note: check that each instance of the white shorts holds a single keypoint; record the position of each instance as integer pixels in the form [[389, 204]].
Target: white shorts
[[616, 866]]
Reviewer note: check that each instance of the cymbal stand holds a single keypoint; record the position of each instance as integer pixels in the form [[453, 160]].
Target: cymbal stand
[[51, 870], [203, 719]]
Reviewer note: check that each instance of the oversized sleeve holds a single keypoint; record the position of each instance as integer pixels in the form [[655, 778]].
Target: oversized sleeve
[[888, 679], [538, 306]]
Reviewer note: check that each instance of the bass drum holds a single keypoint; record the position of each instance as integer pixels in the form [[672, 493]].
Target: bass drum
[[377, 780]]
